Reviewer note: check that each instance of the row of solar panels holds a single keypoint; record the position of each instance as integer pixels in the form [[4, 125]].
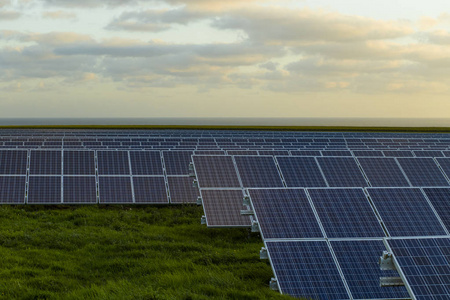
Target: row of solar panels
[[210, 133], [291, 171], [349, 269], [92, 190]]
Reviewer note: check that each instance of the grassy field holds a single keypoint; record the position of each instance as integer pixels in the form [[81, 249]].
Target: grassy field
[[126, 252]]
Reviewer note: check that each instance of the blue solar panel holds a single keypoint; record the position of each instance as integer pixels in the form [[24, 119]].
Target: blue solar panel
[[146, 163], [306, 153], [216, 172], [44, 190], [425, 263], [13, 162], [113, 163], [383, 171], [445, 165], [258, 171], [398, 153], [301, 171], [150, 190], [181, 190], [345, 213], [336, 153], [405, 212], [440, 198], [115, 189], [306, 269], [341, 172], [12, 189], [368, 153], [45, 163], [358, 260], [79, 189], [242, 152], [79, 163], [223, 208], [422, 172], [177, 162], [273, 152], [284, 214], [435, 153]]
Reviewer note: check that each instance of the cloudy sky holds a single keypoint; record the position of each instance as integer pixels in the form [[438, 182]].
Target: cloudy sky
[[214, 58]]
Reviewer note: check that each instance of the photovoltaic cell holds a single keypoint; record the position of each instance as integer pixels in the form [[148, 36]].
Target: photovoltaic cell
[[419, 153], [301, 171], [181, 190], [13, 162], [440, 199], [113, 163], [79, 189], [284, 214], [12, 189], [215, 172], [258, 171], [422, 172], [273, 152], [44, 190], [345, 213], [383, 171], [45, 162], [400, 153], [445, 165], [115, 189], [242, 152], [223, 208], [358, 260], [79, 163], [368, 153], [150, 190], [336, 153], [146, 163], [306, 269], [425, 264], [177, 162], [341, 172], [306, 153], [405, 212]]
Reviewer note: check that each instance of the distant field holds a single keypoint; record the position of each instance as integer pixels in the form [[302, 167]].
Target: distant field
[[120, 252]]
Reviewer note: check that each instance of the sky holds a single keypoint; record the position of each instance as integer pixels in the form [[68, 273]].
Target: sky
[[214, 58]]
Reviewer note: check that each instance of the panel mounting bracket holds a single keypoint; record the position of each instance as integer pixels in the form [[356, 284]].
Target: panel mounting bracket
[[263, 253], [386, 262]]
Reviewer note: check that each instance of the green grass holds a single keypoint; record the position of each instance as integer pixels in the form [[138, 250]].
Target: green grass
[[123, 252]]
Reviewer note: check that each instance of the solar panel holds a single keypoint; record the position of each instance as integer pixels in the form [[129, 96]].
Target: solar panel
[[113, 163], [301, 171], [146, 163], [150, 190], [398, 153], [273, 152], [341, 172], [215, 172], [345, 213], [405, 212], [439, 198], [115, 189], [177, 162], [223, 208], [242, 152], [284, 214], [383, 171], [182, 190], [258, 171], [419, 153], [45, 163], [13, 162], [368, 153], [306, 269], [425, 264], [44, 189], [12, 189], [358, 260], [79, 189], [79, 163], [336, 153], [306, 153], [422, 172], [445, 165]]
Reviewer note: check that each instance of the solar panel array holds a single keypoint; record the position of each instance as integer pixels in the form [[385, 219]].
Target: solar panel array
[[324, 202]]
